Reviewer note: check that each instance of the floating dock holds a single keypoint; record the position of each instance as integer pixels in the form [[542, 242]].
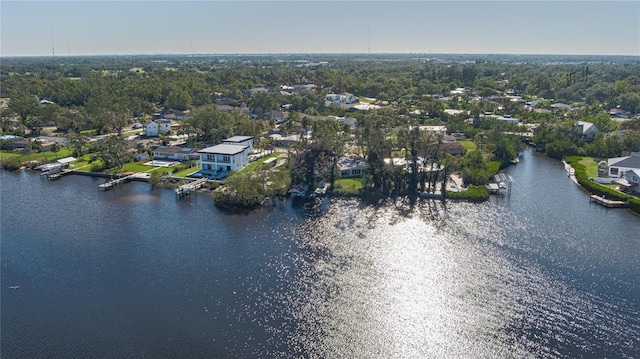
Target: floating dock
[[607, 202]]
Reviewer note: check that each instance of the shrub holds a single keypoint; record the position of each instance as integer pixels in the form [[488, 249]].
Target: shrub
[[472, 194], [239, 193], [155, 178], [634, 204], [11, 163]]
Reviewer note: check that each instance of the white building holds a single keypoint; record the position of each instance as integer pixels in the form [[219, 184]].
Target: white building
[[350, 167], [223, 158], [588, 129], [344, 97], [175, 153], [630, 182], [156, 127], [240, 140]]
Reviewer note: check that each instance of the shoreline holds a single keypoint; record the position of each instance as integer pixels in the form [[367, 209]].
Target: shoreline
[[571, 174]]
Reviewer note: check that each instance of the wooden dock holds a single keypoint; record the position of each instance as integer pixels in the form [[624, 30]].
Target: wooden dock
[[608, 202], [191, 187], [114, 182]]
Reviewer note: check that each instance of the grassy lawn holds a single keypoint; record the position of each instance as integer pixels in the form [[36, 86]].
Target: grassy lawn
[[89, 132], [255, 164], [185, 173], [37, 156], [468, 145], [590, 165], [347, 186], [136, 167], [5, 155], [82, 163]]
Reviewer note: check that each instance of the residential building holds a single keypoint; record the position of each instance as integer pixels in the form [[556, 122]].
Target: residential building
[[155, 127], [453, 148], [618, 113], [630, 182], [344, 97], [46, 146], [220, 159], [277, 116], [349, 121], [175, 153], [436, 130], [16, 145], [285, 140], [240, 140], [505, 118], [587, 129], [350, 167], [175, 114], [617, 167]]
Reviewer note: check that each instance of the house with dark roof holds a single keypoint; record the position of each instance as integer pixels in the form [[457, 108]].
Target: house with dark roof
[[19, 144], [617, 167], [618, 113]]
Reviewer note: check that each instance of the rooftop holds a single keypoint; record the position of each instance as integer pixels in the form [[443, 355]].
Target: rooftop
[[224, 149], [174, 149], [632, 161], [348, 163], [237, 139]]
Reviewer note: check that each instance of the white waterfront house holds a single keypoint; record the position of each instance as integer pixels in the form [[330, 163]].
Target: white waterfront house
[[218, 160], [155, 127], [350, 167]]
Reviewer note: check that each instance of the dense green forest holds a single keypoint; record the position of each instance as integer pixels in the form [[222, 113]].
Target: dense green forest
[[546, 94]]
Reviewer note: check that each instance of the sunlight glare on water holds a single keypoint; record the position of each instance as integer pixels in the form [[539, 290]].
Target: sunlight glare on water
[[386, 282]]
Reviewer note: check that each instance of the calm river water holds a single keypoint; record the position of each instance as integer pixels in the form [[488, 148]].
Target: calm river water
[[540, 273]]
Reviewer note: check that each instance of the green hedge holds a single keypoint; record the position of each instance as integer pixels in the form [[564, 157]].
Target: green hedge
[[472, 194], [634, 204]]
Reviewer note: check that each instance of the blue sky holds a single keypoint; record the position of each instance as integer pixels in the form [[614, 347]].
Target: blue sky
[[220, 27]]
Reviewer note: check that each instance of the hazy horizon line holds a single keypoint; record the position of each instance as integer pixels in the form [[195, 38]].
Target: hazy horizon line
[[317, 53]]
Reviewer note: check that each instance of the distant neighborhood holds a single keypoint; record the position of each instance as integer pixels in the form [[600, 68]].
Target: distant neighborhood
[[452, 128]]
